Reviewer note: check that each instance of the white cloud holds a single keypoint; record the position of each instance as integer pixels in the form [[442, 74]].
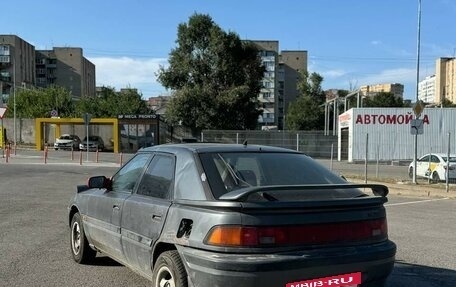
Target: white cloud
[[376, 42], [333, 73], [399, 75], [129, 72]]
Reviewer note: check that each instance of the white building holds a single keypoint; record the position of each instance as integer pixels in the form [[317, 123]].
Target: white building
[[426, 90], [387, 132]]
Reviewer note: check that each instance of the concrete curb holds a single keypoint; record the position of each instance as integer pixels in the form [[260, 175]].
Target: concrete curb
[[415, 190]]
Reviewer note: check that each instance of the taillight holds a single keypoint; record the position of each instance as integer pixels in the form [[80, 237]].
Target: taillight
[[271, 236]]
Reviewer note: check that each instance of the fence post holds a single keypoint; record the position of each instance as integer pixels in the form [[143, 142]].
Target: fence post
[[447, 170], [237, 138], [378, 155], [45, 154], [332, 155], [365, 161], [297, 141], [202, 139]]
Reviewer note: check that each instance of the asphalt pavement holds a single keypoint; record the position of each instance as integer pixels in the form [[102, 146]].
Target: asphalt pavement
[[34, 242]]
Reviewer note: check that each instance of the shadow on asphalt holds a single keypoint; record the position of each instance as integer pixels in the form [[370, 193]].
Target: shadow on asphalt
[[104, 261], [406, 274]]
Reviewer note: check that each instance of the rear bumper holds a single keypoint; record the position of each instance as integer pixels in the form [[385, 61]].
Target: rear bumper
[[207, 268]]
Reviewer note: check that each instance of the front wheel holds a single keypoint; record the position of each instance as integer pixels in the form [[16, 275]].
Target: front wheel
[[80, 249], [435, 177], [169, 270]]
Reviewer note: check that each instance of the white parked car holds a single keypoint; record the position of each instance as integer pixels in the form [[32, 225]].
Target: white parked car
[[67, 141], [434, 166]]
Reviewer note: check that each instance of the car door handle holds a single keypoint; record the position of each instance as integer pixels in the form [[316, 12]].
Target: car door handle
[[156, 217], [116, 207]]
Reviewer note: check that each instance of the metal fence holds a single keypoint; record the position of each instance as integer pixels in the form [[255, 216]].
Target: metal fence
[[312, 143]]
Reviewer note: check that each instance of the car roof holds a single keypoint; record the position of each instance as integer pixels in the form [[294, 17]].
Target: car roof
[[216, 147], [441, 154]]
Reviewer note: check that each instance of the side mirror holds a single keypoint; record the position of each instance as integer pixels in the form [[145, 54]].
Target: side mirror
[[99, 182]]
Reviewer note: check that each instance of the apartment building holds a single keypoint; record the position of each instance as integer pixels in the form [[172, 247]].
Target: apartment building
[[68, 68], [394, 88], [445, 80], [17, 65], [279, 82], [21, 66], [426, 90]]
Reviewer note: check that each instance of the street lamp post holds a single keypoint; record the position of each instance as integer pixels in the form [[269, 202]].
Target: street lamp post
[[14, 103], [415, 156]]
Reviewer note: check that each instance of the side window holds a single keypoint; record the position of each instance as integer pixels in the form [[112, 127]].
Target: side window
[[125, 180], [435, 159], [158, 179], [424, 159]]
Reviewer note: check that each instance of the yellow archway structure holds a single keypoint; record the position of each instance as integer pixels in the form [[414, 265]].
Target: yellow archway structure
[[78, 121]]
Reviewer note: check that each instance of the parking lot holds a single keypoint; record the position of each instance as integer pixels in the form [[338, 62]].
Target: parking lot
[[34, 239]]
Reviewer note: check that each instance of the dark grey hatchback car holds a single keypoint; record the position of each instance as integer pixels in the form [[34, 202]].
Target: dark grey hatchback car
[[233, 215]]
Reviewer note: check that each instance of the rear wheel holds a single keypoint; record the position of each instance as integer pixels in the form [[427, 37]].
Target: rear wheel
[[169, 271], [435, 177], [80, 249]]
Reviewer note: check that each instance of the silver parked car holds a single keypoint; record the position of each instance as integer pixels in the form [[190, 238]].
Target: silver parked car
[[233, 215], [96, 143]]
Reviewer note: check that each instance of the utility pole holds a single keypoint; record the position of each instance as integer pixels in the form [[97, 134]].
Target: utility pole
[[415, 156]]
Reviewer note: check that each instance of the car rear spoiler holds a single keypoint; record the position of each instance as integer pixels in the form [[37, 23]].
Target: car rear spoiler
[[243, 193]]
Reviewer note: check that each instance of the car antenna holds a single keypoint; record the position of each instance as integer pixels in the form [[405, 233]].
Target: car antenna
[[245, 143]]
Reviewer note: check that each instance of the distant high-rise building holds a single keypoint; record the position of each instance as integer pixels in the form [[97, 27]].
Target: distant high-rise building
[[279, 81], [426, 90], [445, 80], [68, 68], [17, 65]]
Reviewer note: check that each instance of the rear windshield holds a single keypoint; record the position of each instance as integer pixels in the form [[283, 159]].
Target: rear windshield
[[230, 171]]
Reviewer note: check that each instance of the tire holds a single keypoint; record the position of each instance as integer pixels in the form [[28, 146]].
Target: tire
[[80, 249], [435, 177], [381, 283], [411, 172], [169, 270]]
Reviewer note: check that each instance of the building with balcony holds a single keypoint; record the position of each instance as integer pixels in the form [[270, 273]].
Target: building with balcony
[[68, 68], [279, 82], [426, 90], [21, 66], [445, 80], [17, 65]]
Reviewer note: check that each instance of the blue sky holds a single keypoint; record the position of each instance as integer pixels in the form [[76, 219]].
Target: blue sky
[[349, 42]]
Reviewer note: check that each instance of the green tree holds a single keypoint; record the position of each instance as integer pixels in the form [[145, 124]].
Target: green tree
[[383, 99], [307, 112], [446, 103], [109, 103], [38, 103], [215, 76]]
